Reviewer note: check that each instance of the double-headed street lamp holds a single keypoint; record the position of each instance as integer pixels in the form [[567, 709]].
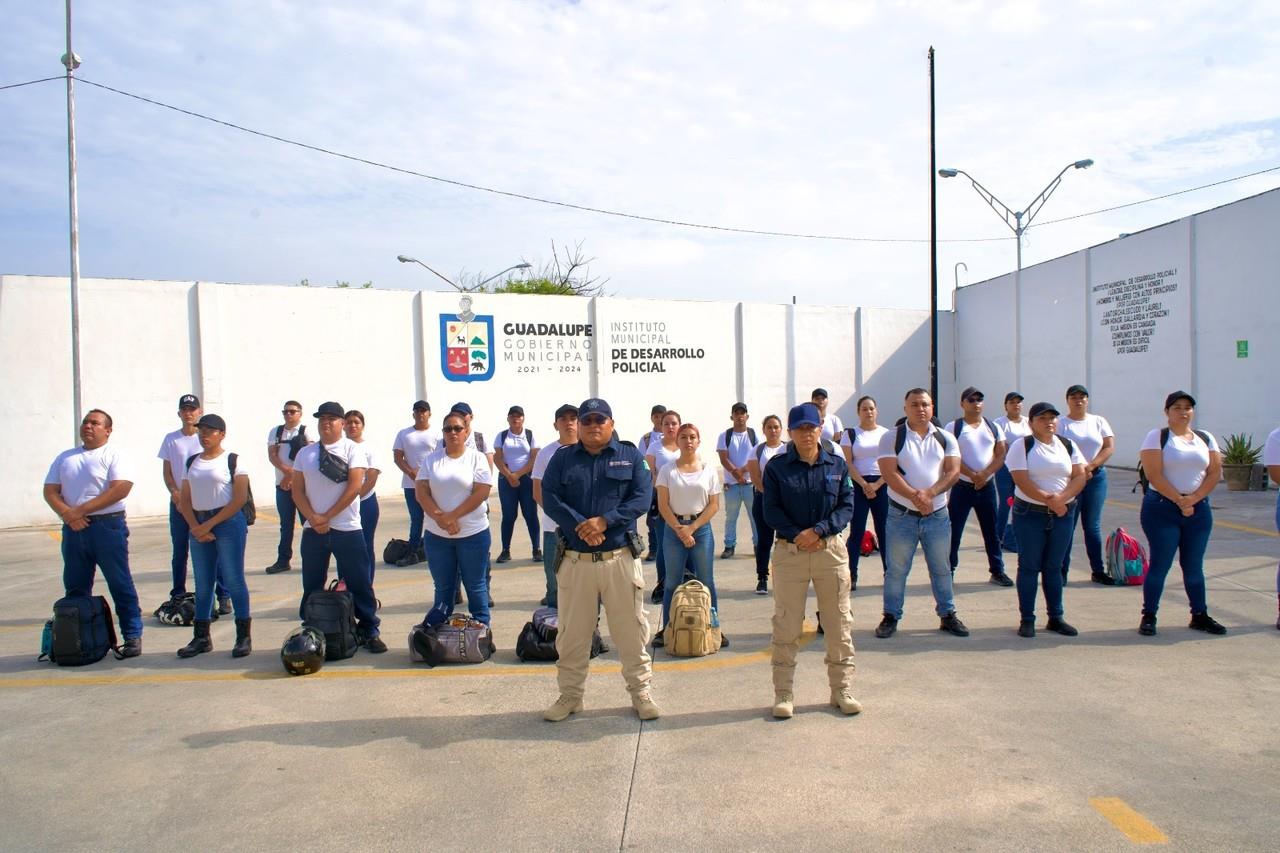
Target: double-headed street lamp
[[1018, 221], [405, 259]]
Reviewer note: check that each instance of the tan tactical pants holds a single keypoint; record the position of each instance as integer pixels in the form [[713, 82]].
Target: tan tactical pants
[[618, 582], [793, 571]]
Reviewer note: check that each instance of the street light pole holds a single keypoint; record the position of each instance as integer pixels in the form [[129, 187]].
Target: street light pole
[[1018, 222], [72, 62], [504, 272], [405, 259]]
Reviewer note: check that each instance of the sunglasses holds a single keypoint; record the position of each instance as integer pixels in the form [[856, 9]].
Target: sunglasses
[[454, 428], [291, 412], [592, 420]]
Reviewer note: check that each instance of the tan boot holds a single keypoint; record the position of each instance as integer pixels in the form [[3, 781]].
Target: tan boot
[[784, 706], [844, 700], [645, 707], [563, 707]]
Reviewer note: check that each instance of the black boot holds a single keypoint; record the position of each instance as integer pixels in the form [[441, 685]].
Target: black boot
[[199, 643], [244, 644]]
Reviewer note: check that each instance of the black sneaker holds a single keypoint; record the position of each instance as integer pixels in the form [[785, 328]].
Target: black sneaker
[[1000, 579], [952, 625], [886, 627], [131, 648], [537, 555], [762, 586], [224, 605], [1027, 628], [658, 642], [1102, 578], [1147, 627], [374, 645], [727, 553], [1205, 622], [543, 602], [655, 597], [457, 596], [504, 557], [277, 567], [724, 641], [818, 616], [1060, 626]]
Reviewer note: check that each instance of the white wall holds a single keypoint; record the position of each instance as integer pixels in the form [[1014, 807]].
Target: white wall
[[245, 349], [1138, 317]]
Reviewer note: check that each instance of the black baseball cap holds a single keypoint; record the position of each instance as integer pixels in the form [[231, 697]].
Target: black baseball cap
[[969, 393], [188, 401], [212, 422], [330, 410], [819, 392], [566, 409], [422, 406], [515, 410], [658, 409], [595, 406], [739, 407], [1038, 409], [1179, 395], [461, 408], [1013, 395], [1077, 389]]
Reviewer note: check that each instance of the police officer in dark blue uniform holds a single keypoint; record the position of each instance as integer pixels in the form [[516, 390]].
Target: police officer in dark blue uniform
[[808, 500], [595, 490]]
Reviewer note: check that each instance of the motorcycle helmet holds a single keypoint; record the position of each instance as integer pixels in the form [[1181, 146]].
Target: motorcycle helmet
[[303, 651]]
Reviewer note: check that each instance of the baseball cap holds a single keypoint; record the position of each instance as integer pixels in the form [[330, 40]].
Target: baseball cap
[[330, 410], [1077, 389], [461, 408], [805, 414], [967, 394], [188, 401], [566, 409], [595, 406], [212, 422], [658, 409], [422, 406], [515, 410], [739, 407], [1179, 395], [818, 392], [1013, 395], [1038, 409]]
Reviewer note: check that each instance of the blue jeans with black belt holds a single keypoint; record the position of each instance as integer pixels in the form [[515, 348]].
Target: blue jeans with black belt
[[878, 509], [904, 530], [965, 497], [1043, 540], [736, 496], [180, 536], [104, 544], [1171, 533], [465, 556], [347, 548], [702, 556], [1004, 530], [1089, 511], [222, 559]]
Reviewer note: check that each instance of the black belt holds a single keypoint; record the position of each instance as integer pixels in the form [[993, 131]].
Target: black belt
[[687, 519], [1040, 508], [913, 512], [597, 556], [103, 516], [203, 515]]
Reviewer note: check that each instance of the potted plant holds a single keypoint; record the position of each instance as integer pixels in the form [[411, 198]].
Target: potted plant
[[1238, 458]]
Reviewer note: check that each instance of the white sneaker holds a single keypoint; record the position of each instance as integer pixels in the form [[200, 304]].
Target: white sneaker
[[645, 707], [844, 700], [784, 706], [563, 707]]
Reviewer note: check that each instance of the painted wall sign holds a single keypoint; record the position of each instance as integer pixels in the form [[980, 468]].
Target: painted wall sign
[[466, 344], [1130, 309]]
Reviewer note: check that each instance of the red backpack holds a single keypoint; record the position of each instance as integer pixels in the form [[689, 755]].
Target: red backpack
[[869, 543], [1126, 559]]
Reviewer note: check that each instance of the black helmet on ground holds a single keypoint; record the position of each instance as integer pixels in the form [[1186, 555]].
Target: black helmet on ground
[[303, 651]]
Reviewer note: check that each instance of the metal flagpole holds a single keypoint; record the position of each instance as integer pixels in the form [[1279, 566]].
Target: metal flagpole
[[933, 244], [72, 62]]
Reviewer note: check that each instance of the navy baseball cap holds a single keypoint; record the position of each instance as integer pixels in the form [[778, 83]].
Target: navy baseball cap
[[967, 394], [1077, 389], [212, 422], [819, 392], [515, 410], [1038, 409], [739, 407], [422, 406], [1179, 395], [461, 408], [330, 410], [188, 401], [594, 406], [1013, 395], [805, 414]]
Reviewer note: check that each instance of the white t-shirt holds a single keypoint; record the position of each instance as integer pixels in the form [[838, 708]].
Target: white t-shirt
[[371, 456], [516, 448], [85, 474], [688, 492], [476, 442], [322, 492], [1086, 434], [1048, 465], [1271, 451], [177, 448], [831, 427], [286, 435], [1185, 459], [739, 448], [662, 457], [763, 453], [977, 445], [649, 438], [921, 461], [1013, 430], [210, 479], [452, 481], [416, 445], [540, 463], [866, 449]]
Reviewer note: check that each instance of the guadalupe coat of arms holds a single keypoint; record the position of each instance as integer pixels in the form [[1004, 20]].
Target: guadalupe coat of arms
[[466, 344]]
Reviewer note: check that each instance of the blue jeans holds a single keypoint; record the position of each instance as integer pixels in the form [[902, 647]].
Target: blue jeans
[[180, 536], [764, 538], [369, 514], [965, 497], [1004, 530], [1043, 540], [104, 544], [1089, 511], [221, 560], [447, 559], [415, 518], [736, 496], [877, 508], [346, 547], [549, 566], [513, 499], [702, 554], [287, 510], [1169, 532], [903, 531]]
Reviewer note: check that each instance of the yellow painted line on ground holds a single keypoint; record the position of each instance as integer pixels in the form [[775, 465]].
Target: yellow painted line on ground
[[54, 535], [1217, 522], [1136, 828], [718, 661]]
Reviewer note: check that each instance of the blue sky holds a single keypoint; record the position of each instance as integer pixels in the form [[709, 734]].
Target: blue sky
[[799, 117]]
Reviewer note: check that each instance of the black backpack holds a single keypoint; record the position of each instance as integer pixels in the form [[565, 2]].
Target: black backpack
[[1029, 441], [1145, 484], [332, 612], [728, 436], [82, 631], [296, 443], [900, 440], [397, 549], [957, 427]]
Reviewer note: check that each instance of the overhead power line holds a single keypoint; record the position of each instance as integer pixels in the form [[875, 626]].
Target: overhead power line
[[33, 82]]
